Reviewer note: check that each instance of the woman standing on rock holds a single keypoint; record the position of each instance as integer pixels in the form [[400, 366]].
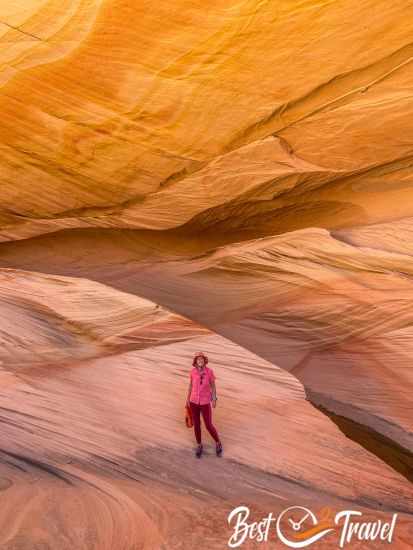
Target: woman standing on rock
[[201, 392]]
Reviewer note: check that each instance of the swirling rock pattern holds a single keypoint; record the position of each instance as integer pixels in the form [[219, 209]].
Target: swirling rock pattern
[[98, 452], [173, 171]]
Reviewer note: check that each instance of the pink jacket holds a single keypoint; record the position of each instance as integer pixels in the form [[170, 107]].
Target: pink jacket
[[201, 390]]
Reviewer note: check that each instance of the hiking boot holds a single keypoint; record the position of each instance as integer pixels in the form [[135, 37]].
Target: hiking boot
[[219, 449], [199, 450]]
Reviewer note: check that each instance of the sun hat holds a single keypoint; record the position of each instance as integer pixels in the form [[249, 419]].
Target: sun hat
[[199, 354]]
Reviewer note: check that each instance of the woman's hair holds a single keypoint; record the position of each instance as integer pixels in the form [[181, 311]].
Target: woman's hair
[[199, 354]]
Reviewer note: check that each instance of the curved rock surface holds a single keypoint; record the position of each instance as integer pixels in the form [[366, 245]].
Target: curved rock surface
[[245, 169], [99, 452]]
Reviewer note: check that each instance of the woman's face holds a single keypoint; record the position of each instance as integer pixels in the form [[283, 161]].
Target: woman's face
[[200, 361]]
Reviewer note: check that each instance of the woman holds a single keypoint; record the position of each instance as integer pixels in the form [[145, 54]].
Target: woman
[[201, 392]]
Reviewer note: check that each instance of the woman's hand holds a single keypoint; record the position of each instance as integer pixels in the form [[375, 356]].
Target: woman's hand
[[214, 402]]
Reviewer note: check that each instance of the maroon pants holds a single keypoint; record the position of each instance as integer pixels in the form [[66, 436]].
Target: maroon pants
[[206, 411]]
